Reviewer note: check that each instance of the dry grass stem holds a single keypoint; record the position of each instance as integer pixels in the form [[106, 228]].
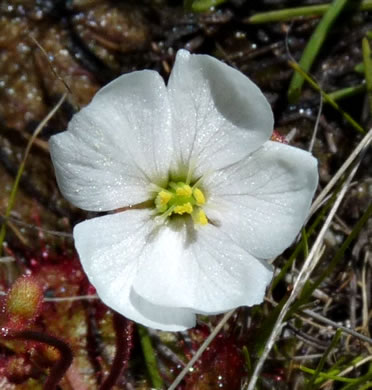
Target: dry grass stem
[[337, 326], [356, 152]]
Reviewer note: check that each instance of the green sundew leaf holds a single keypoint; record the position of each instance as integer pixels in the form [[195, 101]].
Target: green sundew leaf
[[312, 48], [319, 368], [347, 92], [150, 358], [367, 62], [291, 13], [326, 97], [202, 5]]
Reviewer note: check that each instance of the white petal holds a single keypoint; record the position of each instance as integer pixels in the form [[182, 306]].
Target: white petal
[[263, 201], [117, 145], [220, 116], [204, 271], [109, 248]]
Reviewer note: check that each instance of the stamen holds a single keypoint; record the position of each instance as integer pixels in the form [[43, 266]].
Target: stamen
[[199, 217], [185, 208], [199, 196], [162, 200]]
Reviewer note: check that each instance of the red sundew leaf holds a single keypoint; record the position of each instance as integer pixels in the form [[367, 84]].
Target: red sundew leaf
[[18, 369], [220, 367]]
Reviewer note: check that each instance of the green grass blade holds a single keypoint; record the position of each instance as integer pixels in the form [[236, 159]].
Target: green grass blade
[[288, 14], [150, 358], [313, 46], [347, 92], [298, 12], [306, 243], [367, 62]]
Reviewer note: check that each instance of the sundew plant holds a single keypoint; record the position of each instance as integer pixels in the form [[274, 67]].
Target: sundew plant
[[186, 196]]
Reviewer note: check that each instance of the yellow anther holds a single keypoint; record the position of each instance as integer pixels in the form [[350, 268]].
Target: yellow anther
[[199, 197], [163, 197], [162, 200], [199, 217], [183, 209], [184, 190]]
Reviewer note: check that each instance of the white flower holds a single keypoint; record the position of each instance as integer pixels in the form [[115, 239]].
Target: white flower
[[210, 197]]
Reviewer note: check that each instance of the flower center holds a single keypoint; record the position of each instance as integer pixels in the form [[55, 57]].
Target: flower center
[[180, 198]]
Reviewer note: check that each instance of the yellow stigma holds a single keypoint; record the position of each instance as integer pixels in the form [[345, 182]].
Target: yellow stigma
[[199, 197], [180, 198]]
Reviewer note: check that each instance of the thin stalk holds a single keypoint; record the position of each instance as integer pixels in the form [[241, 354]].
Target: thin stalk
[[22, 167]]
